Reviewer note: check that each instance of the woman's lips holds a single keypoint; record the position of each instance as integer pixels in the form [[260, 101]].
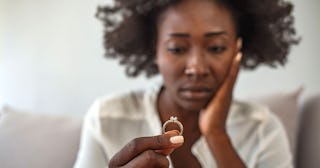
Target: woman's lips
[[196, 93]]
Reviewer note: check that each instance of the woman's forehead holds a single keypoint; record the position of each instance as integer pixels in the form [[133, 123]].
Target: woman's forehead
[[191, 15]]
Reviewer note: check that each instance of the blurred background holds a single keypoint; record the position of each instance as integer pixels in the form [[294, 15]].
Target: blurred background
[[51, 58]]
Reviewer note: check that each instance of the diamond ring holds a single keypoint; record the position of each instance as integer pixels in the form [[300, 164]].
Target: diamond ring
[[172, 120]]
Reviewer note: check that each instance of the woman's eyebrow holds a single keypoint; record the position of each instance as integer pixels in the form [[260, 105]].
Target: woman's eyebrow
[[210, 34], [184, 35]]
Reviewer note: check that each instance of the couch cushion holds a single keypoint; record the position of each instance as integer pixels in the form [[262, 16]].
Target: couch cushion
[[308, 148], [38, 141], [285, 106]]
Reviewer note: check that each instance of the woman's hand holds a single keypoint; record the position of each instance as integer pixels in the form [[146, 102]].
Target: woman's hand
[[147, 151], [212, 120]]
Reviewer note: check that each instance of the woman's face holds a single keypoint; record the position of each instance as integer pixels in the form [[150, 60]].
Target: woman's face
[[196, 43]]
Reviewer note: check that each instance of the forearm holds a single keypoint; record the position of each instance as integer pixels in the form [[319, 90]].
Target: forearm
[[223, 151]]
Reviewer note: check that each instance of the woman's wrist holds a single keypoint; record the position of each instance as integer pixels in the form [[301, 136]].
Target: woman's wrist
[[222, 150], [216, 137], [215, 132]]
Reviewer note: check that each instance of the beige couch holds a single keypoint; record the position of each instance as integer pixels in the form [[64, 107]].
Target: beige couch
[[29, 140]]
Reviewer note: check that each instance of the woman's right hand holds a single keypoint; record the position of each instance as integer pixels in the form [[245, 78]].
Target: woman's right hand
[[147, 151]]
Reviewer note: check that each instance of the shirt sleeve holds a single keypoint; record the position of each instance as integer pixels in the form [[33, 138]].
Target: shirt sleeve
[[274, 147], [91, 153]]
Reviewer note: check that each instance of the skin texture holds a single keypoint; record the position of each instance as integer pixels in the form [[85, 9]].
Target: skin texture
[[198, 56], [183, 44], [146, 152]]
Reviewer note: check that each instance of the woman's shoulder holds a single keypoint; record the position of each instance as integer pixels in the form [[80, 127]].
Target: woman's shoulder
[[129, 104], [255, 128], [253, 112], [255, 120], [117, 105]]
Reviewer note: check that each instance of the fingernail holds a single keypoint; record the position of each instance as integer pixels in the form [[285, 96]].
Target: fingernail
[[239, 55], [177, 139]]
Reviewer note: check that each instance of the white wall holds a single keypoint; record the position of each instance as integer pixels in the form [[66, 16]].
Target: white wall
[[51, 57], [303, 65]]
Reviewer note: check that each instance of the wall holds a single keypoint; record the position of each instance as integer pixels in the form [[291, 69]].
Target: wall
[[51, 57]]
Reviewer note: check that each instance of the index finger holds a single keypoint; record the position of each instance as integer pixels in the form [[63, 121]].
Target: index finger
[[139, 145], [233, 74]]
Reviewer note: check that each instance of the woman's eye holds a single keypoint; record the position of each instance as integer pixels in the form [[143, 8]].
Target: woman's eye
[[177, 50], [217, 49]]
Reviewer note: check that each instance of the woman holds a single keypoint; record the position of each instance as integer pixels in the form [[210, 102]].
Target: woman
[[197, 47]]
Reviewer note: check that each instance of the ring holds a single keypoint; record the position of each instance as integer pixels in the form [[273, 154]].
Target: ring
[[172, 120]]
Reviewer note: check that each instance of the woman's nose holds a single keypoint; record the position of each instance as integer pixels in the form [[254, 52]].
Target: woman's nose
[[197, 66]]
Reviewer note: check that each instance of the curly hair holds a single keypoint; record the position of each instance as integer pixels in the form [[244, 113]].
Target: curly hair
[[265, 26]]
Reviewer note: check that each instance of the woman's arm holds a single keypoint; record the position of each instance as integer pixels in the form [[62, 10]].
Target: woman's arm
[[140, 152], [223, 151], [91, 153]]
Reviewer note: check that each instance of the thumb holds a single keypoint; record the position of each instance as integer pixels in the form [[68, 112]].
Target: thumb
[[175, 138]]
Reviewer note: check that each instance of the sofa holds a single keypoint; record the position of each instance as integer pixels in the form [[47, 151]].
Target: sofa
[[32, 140]]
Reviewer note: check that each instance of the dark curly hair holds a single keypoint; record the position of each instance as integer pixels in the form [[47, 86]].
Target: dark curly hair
[[266, 28]]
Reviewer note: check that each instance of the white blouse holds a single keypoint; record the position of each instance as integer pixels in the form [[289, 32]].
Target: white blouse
[[256, 134]]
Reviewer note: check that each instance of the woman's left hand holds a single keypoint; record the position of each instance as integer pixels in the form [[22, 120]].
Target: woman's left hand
[[212, 120]]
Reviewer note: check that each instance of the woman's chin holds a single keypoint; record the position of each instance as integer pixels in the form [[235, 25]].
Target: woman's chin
[[194, 106]]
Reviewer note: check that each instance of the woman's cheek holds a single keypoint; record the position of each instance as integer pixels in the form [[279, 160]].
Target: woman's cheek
[[221, 66]]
